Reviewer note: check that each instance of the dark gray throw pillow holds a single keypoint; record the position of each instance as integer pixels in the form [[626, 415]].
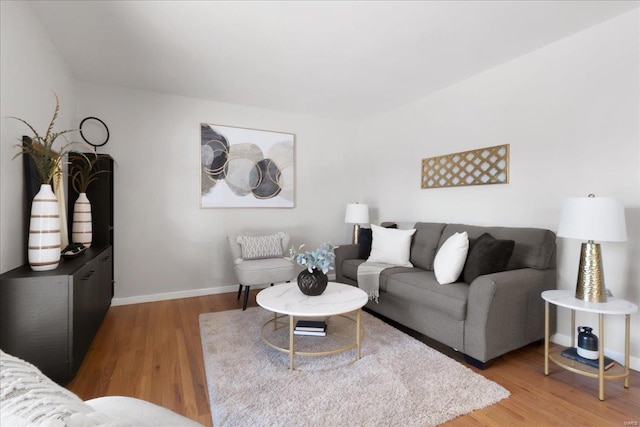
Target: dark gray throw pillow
[[365, 237], [487, 255]]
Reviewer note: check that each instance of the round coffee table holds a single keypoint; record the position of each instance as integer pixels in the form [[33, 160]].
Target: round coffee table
[[287, 300]]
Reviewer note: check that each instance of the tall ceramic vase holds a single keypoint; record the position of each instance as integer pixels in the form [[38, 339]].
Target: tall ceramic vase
[[44, 231], [81, 229]]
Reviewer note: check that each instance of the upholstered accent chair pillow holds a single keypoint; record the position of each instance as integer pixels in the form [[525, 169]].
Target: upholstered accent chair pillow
[[260, 247], [487, 255], [364, 241], [390, 246], [450, 258]]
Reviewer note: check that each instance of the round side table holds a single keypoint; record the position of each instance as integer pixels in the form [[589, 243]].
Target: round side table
[[613, 306]]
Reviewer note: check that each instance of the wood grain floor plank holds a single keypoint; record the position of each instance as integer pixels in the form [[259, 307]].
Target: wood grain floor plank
[[152, 351]]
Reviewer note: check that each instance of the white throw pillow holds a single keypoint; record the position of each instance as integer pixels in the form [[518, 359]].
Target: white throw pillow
[[450, 258], [260, 247], [390, 246]]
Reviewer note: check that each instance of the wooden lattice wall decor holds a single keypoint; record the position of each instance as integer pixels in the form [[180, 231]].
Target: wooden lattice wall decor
[[488, 165]]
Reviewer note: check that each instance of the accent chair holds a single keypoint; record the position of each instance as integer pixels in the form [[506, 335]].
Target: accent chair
[[259, 259]]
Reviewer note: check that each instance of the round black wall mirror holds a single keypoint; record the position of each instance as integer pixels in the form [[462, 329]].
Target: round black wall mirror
[[94, 131]]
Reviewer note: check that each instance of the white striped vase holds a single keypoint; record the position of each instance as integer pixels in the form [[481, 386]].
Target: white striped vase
[[44, 231], [81, 231]]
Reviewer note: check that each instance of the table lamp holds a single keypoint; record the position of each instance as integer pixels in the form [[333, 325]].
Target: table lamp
[[592, 218], [356, 214]]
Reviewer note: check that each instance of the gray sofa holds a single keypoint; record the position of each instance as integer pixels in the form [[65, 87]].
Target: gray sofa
[[484, 319]]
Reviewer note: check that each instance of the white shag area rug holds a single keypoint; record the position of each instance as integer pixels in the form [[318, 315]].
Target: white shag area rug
[[399, 381]]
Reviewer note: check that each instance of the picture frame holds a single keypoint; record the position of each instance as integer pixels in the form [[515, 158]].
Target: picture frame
[[246, 168]]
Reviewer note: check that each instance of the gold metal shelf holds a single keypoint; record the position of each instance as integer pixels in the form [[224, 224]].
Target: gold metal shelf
[[616, 372], [280, 328]]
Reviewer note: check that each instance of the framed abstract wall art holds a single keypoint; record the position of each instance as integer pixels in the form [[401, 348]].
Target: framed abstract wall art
[[246, 168]]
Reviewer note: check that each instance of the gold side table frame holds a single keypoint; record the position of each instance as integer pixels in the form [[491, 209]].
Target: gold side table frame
[[359, 336], [614, 306]]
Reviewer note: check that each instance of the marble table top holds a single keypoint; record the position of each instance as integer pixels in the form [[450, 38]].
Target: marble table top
[[567, 299], [286, 298]]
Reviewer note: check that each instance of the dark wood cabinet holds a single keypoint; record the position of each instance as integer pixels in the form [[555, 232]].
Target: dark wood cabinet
[[50, 318]]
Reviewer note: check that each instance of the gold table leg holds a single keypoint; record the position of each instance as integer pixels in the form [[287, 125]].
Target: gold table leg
[[626, 349], [573, 328], [546, 337], [291, 342], [601, 358], [358, 318]]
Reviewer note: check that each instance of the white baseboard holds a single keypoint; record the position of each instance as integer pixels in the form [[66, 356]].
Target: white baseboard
[[565, 340], [177, 295], [186, 294]]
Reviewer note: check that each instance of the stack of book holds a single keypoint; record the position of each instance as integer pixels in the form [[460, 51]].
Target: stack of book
[[572, 353], [311, 327]]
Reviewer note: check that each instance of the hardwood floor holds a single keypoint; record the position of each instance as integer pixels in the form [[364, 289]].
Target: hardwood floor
[[152, 351]]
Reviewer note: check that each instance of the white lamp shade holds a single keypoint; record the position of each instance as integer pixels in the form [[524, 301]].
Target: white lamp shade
[[593, 218], [357, 213]]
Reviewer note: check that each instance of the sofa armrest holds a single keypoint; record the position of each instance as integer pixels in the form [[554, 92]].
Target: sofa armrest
[[505, 311], [344, 252]]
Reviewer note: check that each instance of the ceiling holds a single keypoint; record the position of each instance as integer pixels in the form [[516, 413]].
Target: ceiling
[[343, 60]]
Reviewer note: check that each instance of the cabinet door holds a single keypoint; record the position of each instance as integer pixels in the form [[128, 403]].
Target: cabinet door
[[35, 323], [91, 287], [86, 303], [105, 288]]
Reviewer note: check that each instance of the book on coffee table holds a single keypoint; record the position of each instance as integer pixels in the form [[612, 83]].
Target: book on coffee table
[[572, 353], [310, 333], [311, 325]]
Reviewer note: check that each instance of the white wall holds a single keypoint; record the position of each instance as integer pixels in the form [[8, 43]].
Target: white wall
[[31, 70], [571, 114], [164, 242]]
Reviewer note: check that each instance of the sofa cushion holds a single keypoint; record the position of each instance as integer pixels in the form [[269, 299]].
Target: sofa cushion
[[450, 258], [487, 255], [365, 236], [364, 243], [534, 247], [421, 287], [390, 272], [265, 271], [425, 244], [390, 246]]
